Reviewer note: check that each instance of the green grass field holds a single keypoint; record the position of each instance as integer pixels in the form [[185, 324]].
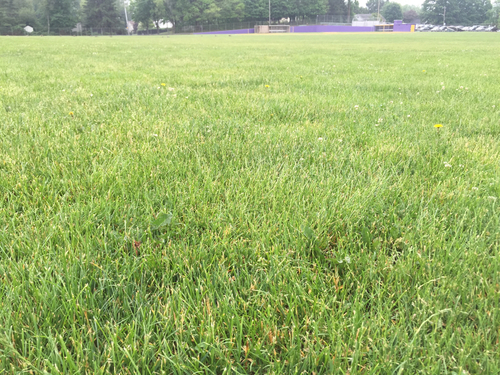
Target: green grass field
[[250, 204]]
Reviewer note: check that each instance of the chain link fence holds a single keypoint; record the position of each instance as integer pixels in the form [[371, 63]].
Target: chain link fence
[[325, 19], [17, 31], [177, 29]]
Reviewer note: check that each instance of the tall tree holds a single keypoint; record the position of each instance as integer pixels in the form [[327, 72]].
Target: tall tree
[[26, 14], [433, 12], [142, 12], [494, 13], [392, 11], [9, 13], [409, 16], [101, 14], [473, 11], [59, 14], [337, 8], [372, 5]]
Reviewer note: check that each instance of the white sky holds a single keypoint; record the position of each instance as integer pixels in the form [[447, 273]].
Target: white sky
[[402, 2]]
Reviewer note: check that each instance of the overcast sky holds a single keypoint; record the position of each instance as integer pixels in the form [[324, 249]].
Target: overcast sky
[[402, 2]]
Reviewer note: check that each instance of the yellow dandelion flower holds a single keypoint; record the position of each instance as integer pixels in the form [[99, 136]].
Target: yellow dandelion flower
[[163, 84], [438, 126], [267, 86], [423, 71], [71, 113]]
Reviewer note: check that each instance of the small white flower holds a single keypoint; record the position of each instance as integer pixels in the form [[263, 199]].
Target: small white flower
[[437, 92], [442, 83], [380, 119], [475, 188], [447, 165], [466, 88], [376, 124], [492, 198], [320, 139], [348, 259], [155, 135], [340, 140], [356, 106], [400, 102], [461, 87], [158, 87], [91, 95], [391, 102], [170, 89], [408, 116], [301, 159], [418, 93], [493, 105], [187, 97], [442, 88], [64, 90]]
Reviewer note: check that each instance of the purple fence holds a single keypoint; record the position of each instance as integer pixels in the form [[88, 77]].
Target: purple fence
[[399, 26], [331, 29], [240, 31]]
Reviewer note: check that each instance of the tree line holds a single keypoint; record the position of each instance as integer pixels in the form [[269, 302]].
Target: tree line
[[63, 14], [458, 12], [46, 15], [150, 13]]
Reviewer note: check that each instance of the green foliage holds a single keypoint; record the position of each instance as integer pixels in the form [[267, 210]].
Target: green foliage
[[458, 12], [9, 13], [103, 14], [143, 11], [372, 5], [61, 14], [100, 14], [409, 16], [410, 12], [337, 7], [218, 226], [494, 13], [392, 11]]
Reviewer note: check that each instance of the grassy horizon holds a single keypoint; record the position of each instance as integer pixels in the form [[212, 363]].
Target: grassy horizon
[[234, 205]]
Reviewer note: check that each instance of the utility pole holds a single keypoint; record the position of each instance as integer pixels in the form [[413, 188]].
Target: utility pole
[[126, 17], [378, 11], [269, 12], [444, 15]]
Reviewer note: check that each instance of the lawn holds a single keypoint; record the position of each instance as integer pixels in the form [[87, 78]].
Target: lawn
[[251, 204]]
